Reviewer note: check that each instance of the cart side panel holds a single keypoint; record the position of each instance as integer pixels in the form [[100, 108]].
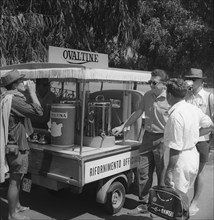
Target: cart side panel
[[107, 166], [68, 167], [58, 167]]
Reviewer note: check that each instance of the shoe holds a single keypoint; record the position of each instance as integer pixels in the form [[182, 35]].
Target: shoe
[[141, 209], [193, 210]]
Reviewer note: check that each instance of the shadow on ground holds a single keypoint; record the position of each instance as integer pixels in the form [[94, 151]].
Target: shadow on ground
[[72, 206], [66, 205]]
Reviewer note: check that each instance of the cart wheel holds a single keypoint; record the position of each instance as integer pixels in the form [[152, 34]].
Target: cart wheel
[[115, 198]]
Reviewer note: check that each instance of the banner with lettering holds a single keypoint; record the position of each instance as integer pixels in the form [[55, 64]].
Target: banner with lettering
[[101, 168], [71, 56]]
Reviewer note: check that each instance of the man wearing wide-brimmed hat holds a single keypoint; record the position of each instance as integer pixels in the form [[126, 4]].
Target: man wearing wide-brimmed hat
[[15, 125], [205, 101]]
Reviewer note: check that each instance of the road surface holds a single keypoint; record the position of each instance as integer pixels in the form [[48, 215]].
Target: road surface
[[45, 204]]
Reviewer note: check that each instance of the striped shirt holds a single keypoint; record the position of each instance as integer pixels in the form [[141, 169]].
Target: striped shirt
[[20, 110]]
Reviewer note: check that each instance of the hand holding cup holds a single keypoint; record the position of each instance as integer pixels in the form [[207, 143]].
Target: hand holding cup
[[30, 86]]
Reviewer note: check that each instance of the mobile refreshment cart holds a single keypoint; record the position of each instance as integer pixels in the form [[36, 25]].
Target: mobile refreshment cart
[[82, 149]]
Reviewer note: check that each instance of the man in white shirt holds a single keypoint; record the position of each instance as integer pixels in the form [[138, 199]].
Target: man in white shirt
[[186, 122], [205, 101]]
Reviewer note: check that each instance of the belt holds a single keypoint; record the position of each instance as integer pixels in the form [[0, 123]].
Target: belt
[[153, 133]]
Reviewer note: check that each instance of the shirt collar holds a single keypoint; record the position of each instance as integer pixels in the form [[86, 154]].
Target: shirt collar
[[201, 92]]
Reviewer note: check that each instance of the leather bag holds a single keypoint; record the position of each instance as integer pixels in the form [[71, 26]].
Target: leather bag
[[168, 203]]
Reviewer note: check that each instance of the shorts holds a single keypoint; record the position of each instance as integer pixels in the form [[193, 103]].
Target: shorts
[[18, 163], [203, 149]]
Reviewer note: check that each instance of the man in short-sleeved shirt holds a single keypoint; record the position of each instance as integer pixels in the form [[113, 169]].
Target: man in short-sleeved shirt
[[155, 107], [205, 101], [156, 112], [181, 135]]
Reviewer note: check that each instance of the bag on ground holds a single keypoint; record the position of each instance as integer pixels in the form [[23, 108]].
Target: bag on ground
[[168, 203]]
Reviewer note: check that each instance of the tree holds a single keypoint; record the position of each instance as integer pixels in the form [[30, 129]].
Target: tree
[[136, 34]]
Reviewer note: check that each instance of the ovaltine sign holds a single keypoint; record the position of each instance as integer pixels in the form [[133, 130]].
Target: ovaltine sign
[[86, 58]]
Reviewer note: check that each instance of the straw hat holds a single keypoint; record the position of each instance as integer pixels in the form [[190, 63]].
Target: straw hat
[[11, 77]]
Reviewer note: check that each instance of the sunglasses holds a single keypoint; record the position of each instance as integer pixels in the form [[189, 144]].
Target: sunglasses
[[154, 83]]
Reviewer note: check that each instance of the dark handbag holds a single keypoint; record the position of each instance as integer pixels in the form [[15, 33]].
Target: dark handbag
[[12, 149], [168, 203]]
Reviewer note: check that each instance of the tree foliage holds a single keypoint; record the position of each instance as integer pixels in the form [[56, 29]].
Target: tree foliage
[[138, 34]]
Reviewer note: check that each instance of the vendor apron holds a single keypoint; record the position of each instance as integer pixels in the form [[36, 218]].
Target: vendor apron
[[62, 125], [99, 119]]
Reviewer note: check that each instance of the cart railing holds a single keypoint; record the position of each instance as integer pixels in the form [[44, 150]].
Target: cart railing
[[78, 74]]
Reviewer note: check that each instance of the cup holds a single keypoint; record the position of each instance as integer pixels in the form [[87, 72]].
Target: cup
[[25, 84]]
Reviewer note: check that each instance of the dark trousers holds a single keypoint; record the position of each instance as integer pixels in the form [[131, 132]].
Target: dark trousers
[[151, 158]]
